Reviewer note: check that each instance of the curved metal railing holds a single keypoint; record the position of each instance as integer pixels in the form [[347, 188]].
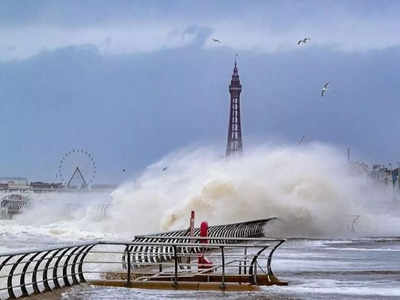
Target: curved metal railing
[[246, 229], [13, 204], [42, 270], [39, 271]]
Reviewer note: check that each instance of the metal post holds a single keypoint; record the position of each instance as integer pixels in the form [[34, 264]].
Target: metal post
[[128, 281], [191, 234], [223, 268], [255, 272], [245, 261], [176, 266], [240, 267]]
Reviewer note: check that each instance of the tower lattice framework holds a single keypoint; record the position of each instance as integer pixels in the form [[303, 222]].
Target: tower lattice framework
[[234, 144]]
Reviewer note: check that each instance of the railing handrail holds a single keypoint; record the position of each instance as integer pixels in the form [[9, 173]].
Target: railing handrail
[[194, 245], [144, 243], [61, 246], [211, 227], [207, 238]]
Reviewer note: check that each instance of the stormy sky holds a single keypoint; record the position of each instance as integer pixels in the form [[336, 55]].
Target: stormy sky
[[131, 81]]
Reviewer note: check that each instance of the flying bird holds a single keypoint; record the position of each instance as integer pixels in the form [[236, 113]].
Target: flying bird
[[164, 169], [216, 41], [324, 89], [303, 41], [123, 170]]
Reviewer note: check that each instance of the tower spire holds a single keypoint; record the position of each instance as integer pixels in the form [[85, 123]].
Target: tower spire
[[234, 143]]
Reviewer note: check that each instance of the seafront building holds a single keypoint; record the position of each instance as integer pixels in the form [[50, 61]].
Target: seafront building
[[22, 184], [378, 173]]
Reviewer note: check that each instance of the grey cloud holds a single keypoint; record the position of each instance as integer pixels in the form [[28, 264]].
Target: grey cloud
[[259, 26], [132, 109]]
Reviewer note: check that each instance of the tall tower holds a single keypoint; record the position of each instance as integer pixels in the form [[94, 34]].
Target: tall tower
[[234, 144]]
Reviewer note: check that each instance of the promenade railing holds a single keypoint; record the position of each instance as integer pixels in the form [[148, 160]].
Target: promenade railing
[[37, 271]]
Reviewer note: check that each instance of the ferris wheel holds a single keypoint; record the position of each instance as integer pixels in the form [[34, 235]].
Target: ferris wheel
[[77, 169]]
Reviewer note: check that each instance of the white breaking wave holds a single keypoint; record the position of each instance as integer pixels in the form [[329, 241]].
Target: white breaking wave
[[311, 188]]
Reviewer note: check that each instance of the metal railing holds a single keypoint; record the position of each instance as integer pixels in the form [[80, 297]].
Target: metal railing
[[233, 231], [37, 271], [13, 204], [42, 270], [191, 247]]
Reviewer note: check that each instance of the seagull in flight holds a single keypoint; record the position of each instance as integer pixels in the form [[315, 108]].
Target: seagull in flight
[[303, 41], [164, 169], [324, 89], [216, 41]]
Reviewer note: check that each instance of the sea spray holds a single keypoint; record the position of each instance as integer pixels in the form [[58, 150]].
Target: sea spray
[[312, 189], [62, 217]]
